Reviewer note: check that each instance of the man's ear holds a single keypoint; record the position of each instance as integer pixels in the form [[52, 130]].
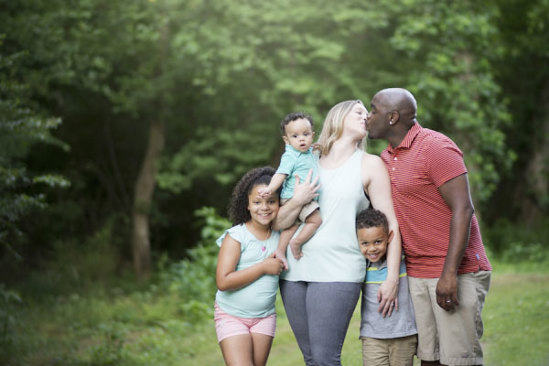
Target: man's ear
[[395, 116]]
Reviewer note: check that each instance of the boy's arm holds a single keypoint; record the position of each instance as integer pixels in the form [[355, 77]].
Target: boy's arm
[[276, 182]]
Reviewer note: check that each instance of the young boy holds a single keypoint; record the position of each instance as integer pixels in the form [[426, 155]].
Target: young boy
[[298, 159], [391, 340]]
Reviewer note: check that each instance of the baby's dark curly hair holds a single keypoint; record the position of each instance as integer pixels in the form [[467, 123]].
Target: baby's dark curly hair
[[371, 218], [293, 117], [238, 208]]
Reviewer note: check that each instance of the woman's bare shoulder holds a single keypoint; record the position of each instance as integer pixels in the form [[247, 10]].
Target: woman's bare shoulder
[[371, 160], [372, 168]]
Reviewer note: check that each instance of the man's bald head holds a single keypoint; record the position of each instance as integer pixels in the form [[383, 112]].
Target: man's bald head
[[400, 100]]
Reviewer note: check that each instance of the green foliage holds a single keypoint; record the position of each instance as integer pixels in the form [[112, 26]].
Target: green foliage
[[110, 351], [192, 281], [22, 126], [517, 243], [9, 300], [75, 266], [455, 87], [219, 76]]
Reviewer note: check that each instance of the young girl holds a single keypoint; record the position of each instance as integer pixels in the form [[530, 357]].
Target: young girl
[[247, 273]]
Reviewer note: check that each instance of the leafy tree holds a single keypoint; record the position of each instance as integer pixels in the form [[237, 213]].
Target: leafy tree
[[188, 94], [22, 125], [523, 28]]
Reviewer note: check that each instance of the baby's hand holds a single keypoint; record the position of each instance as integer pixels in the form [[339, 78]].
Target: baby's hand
[[272, 265], [264, 192]]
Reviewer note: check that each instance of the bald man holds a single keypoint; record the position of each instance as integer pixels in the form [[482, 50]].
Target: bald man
[[448, 271]]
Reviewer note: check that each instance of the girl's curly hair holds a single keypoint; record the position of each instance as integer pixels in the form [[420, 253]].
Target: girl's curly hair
[[238, 207]]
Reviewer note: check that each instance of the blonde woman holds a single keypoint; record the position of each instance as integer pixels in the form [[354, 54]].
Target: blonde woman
[[320, 291]]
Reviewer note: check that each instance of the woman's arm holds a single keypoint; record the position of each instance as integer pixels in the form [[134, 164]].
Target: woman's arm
[[377, 185], [228, 278], [303, 193]]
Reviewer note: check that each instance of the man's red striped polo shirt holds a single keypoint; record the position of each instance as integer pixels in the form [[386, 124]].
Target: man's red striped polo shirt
[[424, 161]]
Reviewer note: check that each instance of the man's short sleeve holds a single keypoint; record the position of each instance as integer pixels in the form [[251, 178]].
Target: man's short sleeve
[[444, 161]]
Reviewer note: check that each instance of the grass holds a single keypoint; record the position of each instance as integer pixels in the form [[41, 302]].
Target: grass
[[140, 327], [516, 323]]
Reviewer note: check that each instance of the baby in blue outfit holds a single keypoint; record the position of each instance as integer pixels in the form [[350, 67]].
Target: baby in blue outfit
[[298, 159]]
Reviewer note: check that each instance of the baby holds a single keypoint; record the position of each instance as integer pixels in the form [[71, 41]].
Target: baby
[[298, 159]]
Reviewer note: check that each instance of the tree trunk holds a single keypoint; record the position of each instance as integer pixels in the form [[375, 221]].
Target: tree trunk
[[144, 190]]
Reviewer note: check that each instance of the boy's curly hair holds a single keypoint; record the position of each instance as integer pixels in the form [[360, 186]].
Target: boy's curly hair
[[238, 207], [371, 218]]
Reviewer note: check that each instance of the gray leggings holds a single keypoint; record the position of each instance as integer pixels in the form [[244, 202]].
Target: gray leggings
[[319, 314]]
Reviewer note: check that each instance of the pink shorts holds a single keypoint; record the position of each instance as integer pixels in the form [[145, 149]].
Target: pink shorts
[[227, 325]]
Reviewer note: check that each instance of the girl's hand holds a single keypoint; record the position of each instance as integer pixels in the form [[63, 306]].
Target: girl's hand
[[387, 297], [282, 256], [272, 265]]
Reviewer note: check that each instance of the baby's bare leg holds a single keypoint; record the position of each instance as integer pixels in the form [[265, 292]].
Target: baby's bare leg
[[283, 242], [313, 221]]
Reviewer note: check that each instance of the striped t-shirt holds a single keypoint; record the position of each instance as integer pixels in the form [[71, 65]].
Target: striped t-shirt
[[424, 161]]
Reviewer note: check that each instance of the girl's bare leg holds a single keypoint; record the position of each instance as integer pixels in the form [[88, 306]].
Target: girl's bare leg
[[261, 348], [238, 350]]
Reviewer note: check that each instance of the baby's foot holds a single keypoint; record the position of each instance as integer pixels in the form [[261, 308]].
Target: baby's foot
[[282, 256], [295, 247]]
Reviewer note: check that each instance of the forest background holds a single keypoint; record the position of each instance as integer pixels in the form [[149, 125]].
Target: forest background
[[124, 125]]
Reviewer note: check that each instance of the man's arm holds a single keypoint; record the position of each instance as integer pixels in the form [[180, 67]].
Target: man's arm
[[455, 193]]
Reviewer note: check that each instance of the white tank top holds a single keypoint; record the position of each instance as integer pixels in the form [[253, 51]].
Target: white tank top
[[332, 254]]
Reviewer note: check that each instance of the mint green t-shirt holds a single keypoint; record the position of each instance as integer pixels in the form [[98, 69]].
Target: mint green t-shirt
[[256, 300], [294, 162]]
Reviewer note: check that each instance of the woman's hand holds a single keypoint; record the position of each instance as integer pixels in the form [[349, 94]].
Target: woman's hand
[[387, 297], [306, 191]]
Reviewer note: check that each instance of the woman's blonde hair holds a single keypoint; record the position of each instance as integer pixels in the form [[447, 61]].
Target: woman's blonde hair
[[333, 125]]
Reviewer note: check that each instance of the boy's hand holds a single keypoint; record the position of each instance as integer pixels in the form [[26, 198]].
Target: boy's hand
[[272, 265], [264, 192]]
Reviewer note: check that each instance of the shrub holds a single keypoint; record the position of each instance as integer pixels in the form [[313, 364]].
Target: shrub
[[511, 242], [8, 320], [192, 280]]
